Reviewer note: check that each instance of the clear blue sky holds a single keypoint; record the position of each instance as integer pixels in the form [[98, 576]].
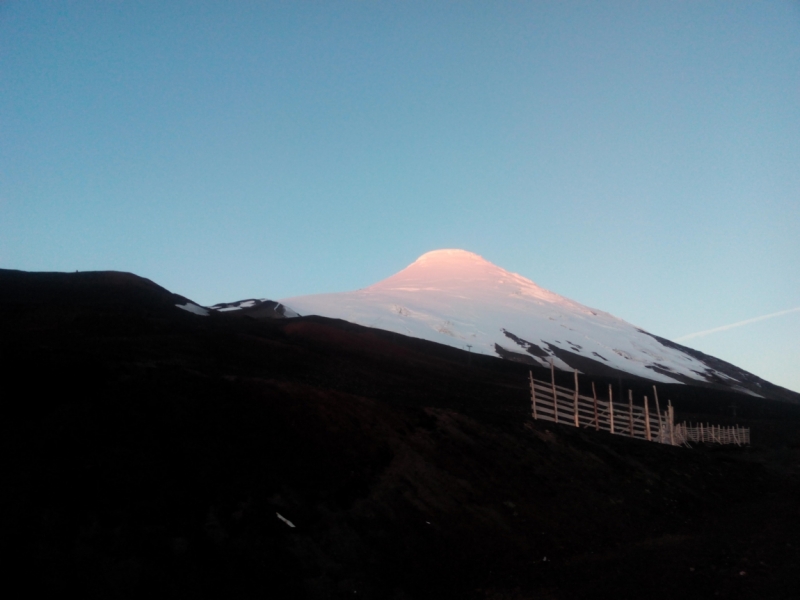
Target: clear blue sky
[[639, 157]]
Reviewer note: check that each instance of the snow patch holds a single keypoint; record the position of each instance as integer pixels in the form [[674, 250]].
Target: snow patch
[[194, 309]]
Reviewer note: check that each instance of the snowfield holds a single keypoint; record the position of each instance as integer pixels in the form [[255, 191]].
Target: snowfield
[[457, 298], [253, 303]]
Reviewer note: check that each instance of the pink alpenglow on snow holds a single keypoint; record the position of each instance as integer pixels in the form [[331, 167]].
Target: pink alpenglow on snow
[[458, 298]]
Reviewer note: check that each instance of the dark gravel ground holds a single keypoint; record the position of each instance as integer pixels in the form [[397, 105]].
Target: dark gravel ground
[[148, 451]]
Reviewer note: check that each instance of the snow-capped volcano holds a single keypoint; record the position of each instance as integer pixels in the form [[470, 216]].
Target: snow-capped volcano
[[457, 298]]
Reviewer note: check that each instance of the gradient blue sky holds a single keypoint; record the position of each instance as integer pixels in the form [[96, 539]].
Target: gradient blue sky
[[639, 157]]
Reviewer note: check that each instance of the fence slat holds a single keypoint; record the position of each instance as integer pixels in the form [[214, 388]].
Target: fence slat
[[553, 382]]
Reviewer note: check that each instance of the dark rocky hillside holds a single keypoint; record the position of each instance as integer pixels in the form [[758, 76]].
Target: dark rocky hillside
[[149, 451]]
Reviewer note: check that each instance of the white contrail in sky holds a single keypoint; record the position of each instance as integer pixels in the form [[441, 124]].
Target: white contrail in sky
[[739, 324]]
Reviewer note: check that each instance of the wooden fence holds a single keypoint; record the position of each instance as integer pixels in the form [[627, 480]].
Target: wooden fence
[[619, 416], [712, 434]]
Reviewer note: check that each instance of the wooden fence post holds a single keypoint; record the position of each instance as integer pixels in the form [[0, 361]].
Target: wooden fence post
[[575, 400], [647, 420], [533, 395], [630, 410], [610, 408], [671, 416], [658, 414], [553, 383], [596, 419]]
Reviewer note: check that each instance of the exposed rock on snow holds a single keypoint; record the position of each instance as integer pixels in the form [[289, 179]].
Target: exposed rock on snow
[[256, 308]]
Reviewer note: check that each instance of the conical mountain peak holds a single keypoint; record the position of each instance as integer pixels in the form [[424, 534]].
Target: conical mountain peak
[[459, 298], [457, 271]]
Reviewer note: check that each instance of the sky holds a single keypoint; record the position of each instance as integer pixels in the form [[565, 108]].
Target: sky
[[642, 158]]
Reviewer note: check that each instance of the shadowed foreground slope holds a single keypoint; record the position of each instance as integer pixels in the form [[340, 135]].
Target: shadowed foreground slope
[[149, 450]]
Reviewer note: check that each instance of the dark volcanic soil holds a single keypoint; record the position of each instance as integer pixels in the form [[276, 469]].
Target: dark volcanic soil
[[148, 451]]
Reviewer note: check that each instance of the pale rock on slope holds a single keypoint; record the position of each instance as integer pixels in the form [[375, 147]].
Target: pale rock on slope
[[457, 298]]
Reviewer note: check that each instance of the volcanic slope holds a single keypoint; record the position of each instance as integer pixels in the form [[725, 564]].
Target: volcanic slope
[[153, 451], [457, 298]]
